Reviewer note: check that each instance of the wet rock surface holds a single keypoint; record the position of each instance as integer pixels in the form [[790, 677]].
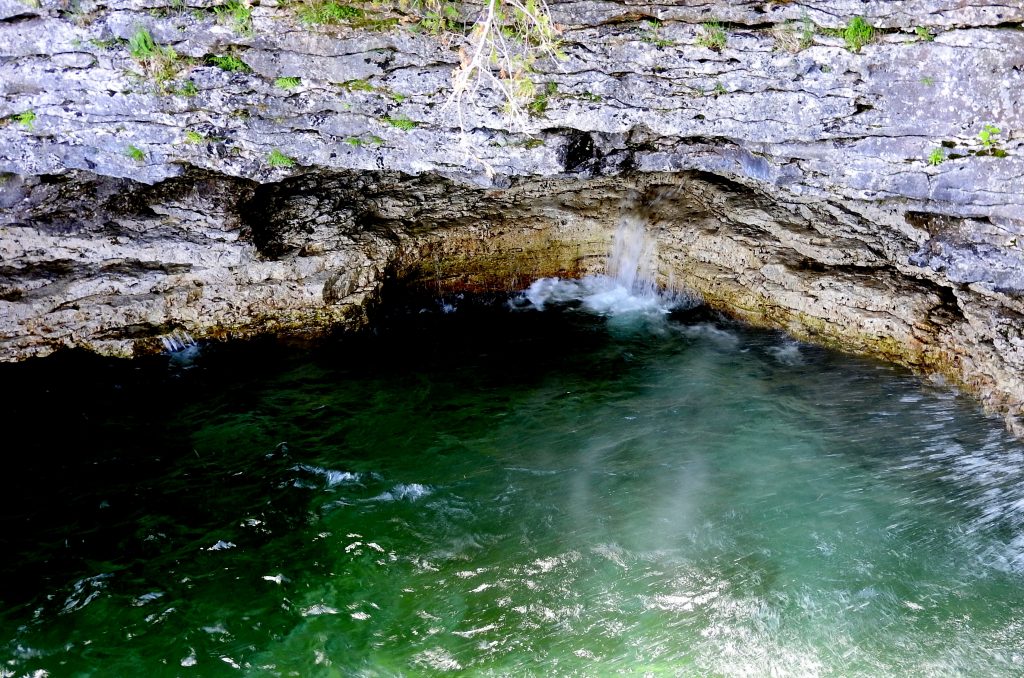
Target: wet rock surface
[[848, 197]]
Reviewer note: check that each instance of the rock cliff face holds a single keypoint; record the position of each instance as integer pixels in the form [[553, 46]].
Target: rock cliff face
[[856, 198]]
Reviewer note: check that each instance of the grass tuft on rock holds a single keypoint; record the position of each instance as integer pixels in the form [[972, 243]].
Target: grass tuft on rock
[[858, 33], [237, 14], [135, 153], [230, 63], [26, 119], [329, 12], [402, 122], [288, 83], [160, 63], [278, 159], [712, 36]]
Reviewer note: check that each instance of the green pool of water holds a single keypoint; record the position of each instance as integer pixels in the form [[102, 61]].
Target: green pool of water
[[501, 493]]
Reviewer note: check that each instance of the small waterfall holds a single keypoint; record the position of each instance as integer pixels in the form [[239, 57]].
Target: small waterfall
[[633, 260], [179, 340], [627, 289]]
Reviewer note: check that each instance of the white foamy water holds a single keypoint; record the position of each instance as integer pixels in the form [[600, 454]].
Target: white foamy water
[[222, 546], [84, 591], [177, 341], [182, 349], [787, 354], [403, 492], [989, 477], [331, 477], [599, 294], [318, 610], [627, 288]]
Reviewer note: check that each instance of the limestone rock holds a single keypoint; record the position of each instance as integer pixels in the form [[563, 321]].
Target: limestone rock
[[849, 197]]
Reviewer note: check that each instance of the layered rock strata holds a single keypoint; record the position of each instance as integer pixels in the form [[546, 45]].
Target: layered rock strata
[[850, 197]]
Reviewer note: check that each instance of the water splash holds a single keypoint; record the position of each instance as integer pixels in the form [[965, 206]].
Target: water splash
[[181, 348], [177, 341], [628, 288], [632, 262], [331, 477]]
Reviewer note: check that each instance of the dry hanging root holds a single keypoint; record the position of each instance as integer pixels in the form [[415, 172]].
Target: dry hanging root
[[505, 42]]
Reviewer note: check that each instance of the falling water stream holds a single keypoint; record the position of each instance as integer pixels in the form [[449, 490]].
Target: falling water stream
[[590, 480]]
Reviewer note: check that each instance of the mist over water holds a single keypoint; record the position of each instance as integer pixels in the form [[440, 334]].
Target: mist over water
[[601, 480]]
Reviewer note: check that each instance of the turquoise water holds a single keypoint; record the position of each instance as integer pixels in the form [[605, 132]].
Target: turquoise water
[[507, 493]]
